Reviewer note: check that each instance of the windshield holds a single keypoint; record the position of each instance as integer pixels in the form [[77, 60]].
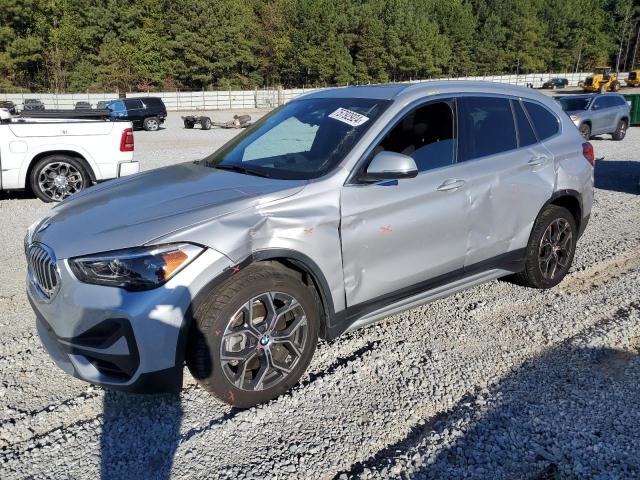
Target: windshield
[[573, 104], [304, 139]]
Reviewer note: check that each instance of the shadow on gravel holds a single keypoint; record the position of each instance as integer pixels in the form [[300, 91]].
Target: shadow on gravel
[[571, 413], [140, 435], [618, 176]]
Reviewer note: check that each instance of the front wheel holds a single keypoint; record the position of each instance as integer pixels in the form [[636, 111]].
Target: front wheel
[[205, 123], [550, 250], [151, 124], [56, 177], [621, 130], [585, 131], [253, 338]]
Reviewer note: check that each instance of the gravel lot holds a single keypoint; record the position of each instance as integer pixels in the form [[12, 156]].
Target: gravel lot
[[495, 382]]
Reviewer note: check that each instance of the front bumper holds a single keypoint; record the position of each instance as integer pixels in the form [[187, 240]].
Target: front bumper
[[119, 339]]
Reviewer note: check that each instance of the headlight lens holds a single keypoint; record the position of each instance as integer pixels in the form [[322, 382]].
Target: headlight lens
[[135, 268], [575, 118]]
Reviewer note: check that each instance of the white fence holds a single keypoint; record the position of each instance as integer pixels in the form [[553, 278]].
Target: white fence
[[257, 98]]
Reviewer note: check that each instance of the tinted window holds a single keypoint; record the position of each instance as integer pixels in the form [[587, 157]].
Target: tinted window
[[526, 136], [571, 104], [486, 127], [133, 104], [426, 135], [616, 101], [601, 102], [153, 102], [544, 122]]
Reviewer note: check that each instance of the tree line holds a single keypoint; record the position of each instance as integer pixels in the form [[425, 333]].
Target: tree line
[[95, 45]]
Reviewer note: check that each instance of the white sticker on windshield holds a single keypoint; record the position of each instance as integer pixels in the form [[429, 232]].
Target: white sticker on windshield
[[350, 118]]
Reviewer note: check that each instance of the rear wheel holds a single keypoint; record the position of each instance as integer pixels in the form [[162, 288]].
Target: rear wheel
[[615, 86], [205, 123], [151, 124], [621, 130], [56, 177], [585, 130], [188, 123], [550, 249], [253, 338]]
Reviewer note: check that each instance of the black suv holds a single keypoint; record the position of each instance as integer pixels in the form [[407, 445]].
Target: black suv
[[145, 112], [555, 83]]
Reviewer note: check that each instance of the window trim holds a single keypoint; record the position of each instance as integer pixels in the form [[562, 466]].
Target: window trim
[[364, 160]]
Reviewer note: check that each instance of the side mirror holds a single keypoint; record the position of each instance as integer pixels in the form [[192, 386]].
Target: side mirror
[[390, 166]]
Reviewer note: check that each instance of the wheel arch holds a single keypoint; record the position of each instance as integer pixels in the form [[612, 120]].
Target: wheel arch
[[291, 259], [572, 201], [50, 153]]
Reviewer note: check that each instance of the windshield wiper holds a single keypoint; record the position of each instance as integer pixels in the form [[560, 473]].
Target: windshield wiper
[[241, 169]]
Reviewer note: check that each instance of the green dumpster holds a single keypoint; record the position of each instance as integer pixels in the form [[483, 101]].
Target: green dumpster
[[634, 105]]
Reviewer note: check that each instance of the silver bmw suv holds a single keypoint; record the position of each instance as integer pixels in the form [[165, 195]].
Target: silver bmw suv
[[333, 211]]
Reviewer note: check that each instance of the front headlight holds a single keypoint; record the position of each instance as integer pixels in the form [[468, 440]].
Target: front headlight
[[574, 118], [141, 268]]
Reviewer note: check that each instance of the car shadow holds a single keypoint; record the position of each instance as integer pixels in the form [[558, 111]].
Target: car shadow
[[570, 413], [617, 175]]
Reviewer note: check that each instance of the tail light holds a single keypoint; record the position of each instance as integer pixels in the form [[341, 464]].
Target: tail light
[[126, 141], [587, 151]]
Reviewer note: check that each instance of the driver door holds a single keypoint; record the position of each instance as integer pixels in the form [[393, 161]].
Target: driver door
[[401, 237]]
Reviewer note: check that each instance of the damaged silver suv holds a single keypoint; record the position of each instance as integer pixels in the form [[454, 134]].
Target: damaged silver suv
[[338, 209]]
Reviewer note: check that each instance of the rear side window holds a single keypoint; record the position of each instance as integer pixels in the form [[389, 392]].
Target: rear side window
[[486, 127], [133, 103], [617, 101], [526, 136], [544, 122]]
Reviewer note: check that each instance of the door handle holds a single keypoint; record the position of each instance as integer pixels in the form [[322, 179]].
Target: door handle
[[451, 184], [537, 160]]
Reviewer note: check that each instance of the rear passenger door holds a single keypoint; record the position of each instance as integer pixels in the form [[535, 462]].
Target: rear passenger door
[[510, 175], [135, 111]]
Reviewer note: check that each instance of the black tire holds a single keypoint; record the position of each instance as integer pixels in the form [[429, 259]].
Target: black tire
[[49, 187], [533, 275], [615, 86], [214, 318], [188, 123], [205, 123], [621, 130], [585, 130], [151, 124]]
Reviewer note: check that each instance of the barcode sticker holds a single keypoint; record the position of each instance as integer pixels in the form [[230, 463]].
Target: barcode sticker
[[350, 118]]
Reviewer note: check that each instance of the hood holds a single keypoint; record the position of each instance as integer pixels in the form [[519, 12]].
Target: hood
[[135, 210]]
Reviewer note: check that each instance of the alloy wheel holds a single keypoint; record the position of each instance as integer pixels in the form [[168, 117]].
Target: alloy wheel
[[58, 180], [263, 341], [554, 253]]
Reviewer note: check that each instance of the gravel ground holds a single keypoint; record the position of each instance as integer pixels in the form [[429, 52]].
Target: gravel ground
[[495, 382]]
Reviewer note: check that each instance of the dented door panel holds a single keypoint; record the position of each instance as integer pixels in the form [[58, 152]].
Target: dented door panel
[[398, 234], [506, 192]]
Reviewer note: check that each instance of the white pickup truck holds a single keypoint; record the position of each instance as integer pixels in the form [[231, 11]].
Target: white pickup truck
[[56, 157]]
